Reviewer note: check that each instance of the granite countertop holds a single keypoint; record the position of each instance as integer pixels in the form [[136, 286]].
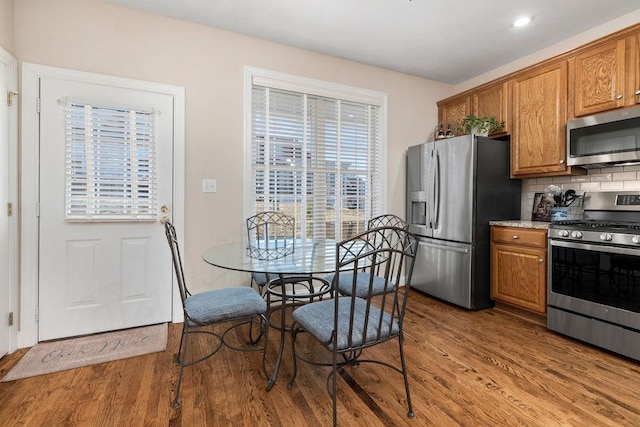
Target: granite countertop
[[521, 224]]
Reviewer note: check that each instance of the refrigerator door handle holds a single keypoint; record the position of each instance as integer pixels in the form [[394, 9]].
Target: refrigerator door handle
[[448, 248], [437, 192], [432, 182]]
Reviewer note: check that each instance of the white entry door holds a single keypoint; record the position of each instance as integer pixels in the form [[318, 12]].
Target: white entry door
[[105, 183], [5, 291]]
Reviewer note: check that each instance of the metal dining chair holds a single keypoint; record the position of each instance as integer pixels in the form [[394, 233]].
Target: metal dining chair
[[238, 306], [343, 283], [271, 235], [349, 325]]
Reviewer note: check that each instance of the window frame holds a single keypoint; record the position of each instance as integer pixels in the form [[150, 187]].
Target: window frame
[[277, 80]]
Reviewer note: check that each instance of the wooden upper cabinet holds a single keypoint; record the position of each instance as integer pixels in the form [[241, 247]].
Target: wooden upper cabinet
[[535, 103], [600, 78], [538, 141], [453, 110], [633, 69], [493, 101]]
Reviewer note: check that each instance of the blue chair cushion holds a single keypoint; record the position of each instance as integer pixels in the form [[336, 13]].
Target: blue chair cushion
[[220, 305], [262, 279], [317, 318], [345, 284]]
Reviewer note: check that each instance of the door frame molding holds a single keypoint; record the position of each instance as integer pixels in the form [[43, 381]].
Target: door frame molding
[[12, 67], [30, 169]]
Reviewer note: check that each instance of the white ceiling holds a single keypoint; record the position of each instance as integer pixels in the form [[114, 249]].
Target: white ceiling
[[443, 40]]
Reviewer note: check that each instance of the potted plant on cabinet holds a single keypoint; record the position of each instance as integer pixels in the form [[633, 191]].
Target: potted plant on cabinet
[[480, 125]]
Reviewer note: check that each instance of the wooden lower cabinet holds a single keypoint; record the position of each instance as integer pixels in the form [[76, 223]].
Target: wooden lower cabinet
[[519, 267]]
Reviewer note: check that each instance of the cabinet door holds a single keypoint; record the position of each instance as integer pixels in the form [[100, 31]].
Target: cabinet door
[[493, 101], [538, 141], [633, 69], [518, 276], [452, 111], [600, 78]]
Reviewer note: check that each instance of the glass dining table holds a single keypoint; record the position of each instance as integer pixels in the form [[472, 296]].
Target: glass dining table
[[307, 256], [312, 259]]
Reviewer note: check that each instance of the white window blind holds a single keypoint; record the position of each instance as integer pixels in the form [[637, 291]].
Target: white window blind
[[110, 163], [316, 158]]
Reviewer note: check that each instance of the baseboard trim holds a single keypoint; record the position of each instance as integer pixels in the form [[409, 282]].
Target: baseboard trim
[[520, 313]]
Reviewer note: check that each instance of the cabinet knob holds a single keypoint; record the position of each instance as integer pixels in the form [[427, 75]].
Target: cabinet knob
[[515, 236], [618, 96], [540, 260], [561, 161]]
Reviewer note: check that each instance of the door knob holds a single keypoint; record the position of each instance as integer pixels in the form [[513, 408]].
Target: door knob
[[164, 209]]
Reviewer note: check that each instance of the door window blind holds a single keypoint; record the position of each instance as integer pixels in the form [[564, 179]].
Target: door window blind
[[110, 163], [316, 158]]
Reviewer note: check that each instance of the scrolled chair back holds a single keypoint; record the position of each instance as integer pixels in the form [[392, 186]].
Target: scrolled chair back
[[387, 220], [271, 234], [380, 256]]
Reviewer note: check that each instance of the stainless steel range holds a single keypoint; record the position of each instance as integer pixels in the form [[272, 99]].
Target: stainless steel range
[[594, 273]]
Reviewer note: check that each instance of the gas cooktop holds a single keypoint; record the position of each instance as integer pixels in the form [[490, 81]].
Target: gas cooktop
[[609, 217], [593, 223]]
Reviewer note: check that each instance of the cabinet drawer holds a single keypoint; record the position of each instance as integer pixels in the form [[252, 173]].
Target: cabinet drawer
[[519, 236]]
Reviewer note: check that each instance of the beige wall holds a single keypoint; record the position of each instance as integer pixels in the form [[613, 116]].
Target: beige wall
[[98, 37], [104, 38], [6, 25]]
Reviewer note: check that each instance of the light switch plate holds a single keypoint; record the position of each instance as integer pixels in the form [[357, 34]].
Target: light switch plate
[[209, 185]]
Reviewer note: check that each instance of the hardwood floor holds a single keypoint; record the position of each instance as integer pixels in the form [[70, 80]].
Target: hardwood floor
[[466, 368]]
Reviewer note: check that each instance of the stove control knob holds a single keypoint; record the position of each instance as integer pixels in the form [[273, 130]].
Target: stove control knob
[[635, 239], [576, 234], [607, 237], [563, 233]]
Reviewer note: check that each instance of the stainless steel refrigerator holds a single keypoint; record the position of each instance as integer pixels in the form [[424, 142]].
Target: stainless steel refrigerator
[[455, 186]]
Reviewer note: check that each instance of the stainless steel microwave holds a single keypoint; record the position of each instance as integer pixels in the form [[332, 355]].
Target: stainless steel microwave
[[605, 139]]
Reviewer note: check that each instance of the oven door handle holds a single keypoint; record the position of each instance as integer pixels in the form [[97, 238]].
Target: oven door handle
[[596, 247]]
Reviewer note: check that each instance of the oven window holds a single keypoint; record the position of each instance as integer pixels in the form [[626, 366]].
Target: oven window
[[597, 276]]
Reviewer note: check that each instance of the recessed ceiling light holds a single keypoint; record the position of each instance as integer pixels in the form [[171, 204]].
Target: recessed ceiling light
[[521, 22]]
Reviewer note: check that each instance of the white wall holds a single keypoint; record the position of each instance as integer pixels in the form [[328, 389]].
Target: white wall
[[105, 38]]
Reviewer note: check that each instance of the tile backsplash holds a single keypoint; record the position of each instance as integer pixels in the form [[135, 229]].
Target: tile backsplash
[[618, 178]]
